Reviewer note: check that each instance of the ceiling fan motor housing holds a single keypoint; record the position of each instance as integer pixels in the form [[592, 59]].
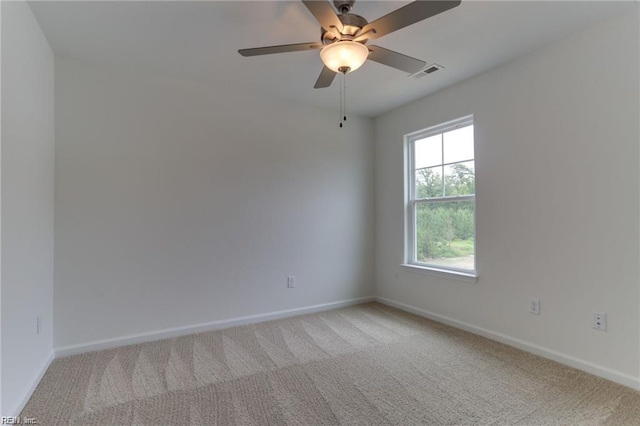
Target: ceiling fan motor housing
[[351, 24]]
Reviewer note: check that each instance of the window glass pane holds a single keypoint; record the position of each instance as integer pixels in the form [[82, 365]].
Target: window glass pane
[[445, 234], [458, 145], [428, 151], [460, 179], [429, 182]]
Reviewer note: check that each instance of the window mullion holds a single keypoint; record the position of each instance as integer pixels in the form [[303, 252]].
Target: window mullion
[[450, 199]]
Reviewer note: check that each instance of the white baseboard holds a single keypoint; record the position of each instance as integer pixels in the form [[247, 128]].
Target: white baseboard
[[200, 328], [580, 364], [34, 384]]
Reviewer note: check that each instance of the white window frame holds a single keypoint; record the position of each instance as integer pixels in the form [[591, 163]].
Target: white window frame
[[410, 260]]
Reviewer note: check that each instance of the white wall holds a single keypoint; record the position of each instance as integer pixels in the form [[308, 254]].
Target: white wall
[[27, 161], [557, 141], [179, 204]]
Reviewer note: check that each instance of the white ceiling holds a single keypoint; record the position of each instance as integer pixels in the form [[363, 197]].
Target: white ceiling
[[199, 41]]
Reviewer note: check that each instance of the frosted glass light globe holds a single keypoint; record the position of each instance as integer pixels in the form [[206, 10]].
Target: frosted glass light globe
[[344, 54]]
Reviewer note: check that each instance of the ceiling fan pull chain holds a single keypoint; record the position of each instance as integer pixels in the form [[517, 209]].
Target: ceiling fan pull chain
[[341, 85], [344, 90]]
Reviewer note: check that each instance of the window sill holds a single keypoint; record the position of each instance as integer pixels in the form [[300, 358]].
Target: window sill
[[468, 277]]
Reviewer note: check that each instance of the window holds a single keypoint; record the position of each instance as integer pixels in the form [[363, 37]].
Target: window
[[440, 174]]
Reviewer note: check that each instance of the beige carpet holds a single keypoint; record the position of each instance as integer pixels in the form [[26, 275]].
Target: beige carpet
[[363, 365]]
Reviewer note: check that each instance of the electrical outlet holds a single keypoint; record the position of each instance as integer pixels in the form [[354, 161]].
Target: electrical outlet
[[599, 320], [534, 306], [291, 282]]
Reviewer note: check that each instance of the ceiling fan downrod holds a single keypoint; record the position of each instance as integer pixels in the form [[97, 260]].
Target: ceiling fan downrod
[[344, 6]]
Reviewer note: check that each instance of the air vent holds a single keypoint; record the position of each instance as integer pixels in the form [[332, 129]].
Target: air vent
[[430, 69]]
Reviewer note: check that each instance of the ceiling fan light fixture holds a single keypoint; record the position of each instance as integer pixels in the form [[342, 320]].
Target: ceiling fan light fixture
[[344, 55]]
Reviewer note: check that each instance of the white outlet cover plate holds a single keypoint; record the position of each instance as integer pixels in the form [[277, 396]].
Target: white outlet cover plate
[[534, 306], [599, 320]]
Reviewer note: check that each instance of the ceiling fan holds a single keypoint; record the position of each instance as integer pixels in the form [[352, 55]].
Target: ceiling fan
[[343, 37]]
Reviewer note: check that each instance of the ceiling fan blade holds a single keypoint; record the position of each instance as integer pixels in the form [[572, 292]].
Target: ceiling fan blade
[[405, 16], [395, 59], [268, 50], [324, 13], [325, 79]]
